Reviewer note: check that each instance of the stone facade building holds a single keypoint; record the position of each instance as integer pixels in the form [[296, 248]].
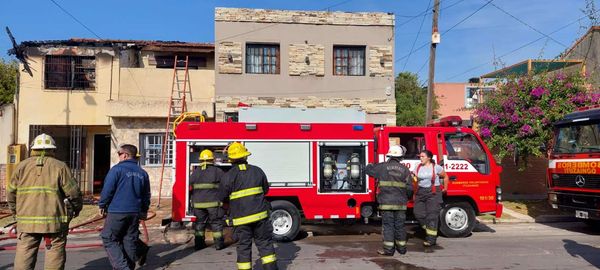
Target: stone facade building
[[305, 59]]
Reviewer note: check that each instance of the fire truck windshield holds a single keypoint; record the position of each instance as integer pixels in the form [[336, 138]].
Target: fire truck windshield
[[581, 137]]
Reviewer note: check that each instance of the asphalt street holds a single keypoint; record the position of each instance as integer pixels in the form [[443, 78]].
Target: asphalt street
[[563, 245]]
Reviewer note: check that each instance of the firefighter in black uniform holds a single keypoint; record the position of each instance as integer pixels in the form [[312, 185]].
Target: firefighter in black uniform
[[246, 186], [395, 189], [204, 184]]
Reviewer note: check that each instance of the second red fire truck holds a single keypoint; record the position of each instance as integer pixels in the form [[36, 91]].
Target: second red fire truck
[[316, 170]]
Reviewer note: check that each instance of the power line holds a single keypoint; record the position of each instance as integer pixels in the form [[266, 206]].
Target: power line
[[538, 31], [416, 37], [454, 26], [514, 50], [73, 17], [425, 13]]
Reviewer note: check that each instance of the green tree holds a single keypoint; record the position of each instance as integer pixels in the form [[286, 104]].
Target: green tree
[[8, 80], [519, 114], [411, 100]]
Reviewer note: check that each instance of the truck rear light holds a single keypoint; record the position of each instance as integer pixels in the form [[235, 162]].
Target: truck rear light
[[250, 126], [498, 193]]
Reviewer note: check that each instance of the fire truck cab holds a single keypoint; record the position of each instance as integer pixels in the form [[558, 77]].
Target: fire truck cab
[[573, 176], [316, 170]]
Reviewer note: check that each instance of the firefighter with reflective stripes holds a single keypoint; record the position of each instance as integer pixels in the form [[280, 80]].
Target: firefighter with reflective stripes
[[432, 181], [395, 189], [245, 186], [43, 197], [204, 184]]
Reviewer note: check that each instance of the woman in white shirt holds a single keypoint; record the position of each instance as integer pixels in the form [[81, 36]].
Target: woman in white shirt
[[432, 181]]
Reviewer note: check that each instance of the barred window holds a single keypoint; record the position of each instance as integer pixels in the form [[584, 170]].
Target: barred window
[[151, 149], [349, 60], [70, 72], [262, 58]]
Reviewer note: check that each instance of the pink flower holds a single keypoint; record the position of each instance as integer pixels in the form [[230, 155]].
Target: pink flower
[[486, 132], [525, 130], [514, 118], [538, 91]]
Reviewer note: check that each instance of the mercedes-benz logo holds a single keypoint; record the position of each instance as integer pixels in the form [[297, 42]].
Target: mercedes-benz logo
[[579, 181]]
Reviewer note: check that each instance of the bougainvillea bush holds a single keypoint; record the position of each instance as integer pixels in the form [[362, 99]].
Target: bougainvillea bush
[[520, 113]]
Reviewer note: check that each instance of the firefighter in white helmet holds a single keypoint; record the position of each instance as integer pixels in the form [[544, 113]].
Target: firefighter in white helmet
[[43, 197], [246, 186], [395, 189], [204, 184]]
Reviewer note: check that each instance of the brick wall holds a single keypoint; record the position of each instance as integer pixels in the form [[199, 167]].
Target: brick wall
[[303, 17], [381, 61], [307, 60], [230, 57], [531, 181], [384, 109]]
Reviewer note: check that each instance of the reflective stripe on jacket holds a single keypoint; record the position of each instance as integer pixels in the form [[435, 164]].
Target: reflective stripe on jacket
[[205, 186], [36, 193], [245, 186], [394, 183]]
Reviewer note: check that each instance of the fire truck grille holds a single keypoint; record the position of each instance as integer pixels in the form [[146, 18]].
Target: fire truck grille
[[572, 180], [589, 201]]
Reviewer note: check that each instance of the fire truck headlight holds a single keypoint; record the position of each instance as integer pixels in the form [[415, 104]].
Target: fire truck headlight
[[498, 193], [555, 176], [366, 211], [552, 197]]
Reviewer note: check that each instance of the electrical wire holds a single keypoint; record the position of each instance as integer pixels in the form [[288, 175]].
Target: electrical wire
[[74, 18], [416, 37]]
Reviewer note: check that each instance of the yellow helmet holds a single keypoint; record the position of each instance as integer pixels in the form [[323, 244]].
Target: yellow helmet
[[43, 141], [237, 150], [206, 155]]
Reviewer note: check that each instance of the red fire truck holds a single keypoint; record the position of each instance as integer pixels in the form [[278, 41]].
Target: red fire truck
[[316, 170], [574, 168]]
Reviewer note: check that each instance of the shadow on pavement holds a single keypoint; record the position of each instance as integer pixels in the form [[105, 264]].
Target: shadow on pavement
[[586, 252], [482, 227], [159, 256]]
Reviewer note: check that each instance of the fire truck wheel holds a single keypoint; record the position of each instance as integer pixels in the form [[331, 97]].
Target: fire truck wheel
[[285, 218], [457, 219]]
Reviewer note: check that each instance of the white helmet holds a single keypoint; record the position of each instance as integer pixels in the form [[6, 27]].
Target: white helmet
[[396, 151], [43, 141]]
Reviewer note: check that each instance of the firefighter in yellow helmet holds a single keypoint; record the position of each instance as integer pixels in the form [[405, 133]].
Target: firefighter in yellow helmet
[[204, 185], [245, 186], [43, 197]]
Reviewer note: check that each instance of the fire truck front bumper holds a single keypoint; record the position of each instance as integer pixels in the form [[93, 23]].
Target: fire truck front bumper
[[499, 209], [581, 205]]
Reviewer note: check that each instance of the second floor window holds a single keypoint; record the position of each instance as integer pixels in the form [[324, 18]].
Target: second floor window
[[70, 72], [262, 58], [349, 60]]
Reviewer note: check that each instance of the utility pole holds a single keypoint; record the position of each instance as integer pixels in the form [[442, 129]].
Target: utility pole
[[435, 39]]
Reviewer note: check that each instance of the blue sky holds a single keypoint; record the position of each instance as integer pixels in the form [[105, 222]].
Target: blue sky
[[467, 48]]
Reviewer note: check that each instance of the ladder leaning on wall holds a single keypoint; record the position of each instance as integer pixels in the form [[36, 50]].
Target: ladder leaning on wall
[[180, 88]]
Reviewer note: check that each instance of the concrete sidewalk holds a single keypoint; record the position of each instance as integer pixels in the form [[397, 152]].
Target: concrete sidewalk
[[521, 218]]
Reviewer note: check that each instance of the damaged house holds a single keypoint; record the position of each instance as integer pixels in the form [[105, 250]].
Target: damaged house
[[93, 95]]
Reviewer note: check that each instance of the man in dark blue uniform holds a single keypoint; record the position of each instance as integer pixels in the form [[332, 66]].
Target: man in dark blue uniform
[[125, 200]]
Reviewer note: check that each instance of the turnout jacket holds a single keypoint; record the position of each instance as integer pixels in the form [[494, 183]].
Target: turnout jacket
[[204, 184], [36, 194], [395, 187], [245, 186]]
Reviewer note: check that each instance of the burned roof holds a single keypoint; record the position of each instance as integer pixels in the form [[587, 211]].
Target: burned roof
[[150, 45]]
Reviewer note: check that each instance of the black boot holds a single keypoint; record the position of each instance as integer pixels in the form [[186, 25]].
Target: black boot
[[401, 249], [430, 241], [270, 266], [219, 243], [199, 243], [386, 252], [142, 252]]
